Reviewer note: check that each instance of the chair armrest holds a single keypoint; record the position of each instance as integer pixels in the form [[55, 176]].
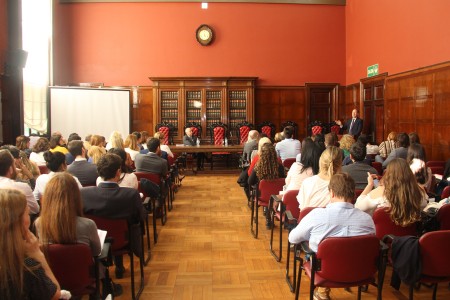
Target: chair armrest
[[388, 238], [290, 222], [305, 248]]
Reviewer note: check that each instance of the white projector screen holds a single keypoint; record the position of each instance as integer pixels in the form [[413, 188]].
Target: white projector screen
[[89, 111]]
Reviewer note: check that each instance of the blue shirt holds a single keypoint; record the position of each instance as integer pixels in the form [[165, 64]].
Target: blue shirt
[[288, 148], [338, 219]]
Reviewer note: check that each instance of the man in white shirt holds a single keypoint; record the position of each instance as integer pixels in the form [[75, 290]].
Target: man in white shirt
[[7, 176], [289, 147], [337, 219]]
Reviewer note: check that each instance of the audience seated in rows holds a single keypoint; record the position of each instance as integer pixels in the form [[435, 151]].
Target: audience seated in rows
[[69, 157], [338, 219], [57, 143], [37, 154], [127, 178], [24, 271], [152, 161], [386, 147], [314, 190], [250, 145], [288, 147], [401, 151], [256, 153], [398, 190], [160, 135]]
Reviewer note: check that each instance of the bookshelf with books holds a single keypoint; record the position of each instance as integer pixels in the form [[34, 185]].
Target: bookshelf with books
[[203, 100]]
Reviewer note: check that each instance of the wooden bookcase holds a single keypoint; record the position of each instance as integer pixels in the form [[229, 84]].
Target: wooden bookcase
[[204, 100]]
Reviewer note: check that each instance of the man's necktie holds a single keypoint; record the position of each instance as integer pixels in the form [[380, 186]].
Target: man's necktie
[[351, 125]]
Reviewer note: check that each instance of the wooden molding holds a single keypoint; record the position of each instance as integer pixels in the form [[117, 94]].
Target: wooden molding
[[316, 2]]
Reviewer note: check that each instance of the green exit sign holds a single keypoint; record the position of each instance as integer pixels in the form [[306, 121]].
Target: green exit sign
[[372, 70]]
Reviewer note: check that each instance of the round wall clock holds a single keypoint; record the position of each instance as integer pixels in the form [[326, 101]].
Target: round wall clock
[[204, 35]]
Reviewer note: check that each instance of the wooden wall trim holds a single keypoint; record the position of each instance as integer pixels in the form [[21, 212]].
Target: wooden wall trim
[[308, 2]]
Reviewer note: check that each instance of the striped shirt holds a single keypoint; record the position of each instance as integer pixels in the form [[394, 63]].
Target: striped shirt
[[386, 148]]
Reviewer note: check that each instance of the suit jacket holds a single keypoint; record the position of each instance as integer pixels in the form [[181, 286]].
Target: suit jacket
[[84, 171], [400, 152], [151, 163], [358, 171], [189, 140], [248, 149], [356, 128]]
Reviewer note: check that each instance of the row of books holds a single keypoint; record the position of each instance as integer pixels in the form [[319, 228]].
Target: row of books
[[169, 113], [237, 95], [193, 95], [213, 114], [238, 104], [169, 95], [213, 95], [238, 113], [169, 104], [213, 104]]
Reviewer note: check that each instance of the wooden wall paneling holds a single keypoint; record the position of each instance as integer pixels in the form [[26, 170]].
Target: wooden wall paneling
[[292, 108], [267, 103], [372, 93], [142, 109], [441, 131], [321, 102], [391, 105], [352, 100]]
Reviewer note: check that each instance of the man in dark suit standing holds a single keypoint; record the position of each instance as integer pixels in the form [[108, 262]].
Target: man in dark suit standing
[[81, 168], [108, 200], [353, 126], [152, 161]]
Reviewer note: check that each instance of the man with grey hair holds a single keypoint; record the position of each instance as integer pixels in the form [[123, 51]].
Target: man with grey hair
[[250, 145]]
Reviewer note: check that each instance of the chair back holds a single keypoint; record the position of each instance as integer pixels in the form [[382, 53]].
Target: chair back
[[117, 229], [268, 128], [434, 250], [446, 192], [218, 132], [378, 166], [358, 192], [243, 130], [290, 202], [287, 163], [304, 212], [72, 265], [443, 217], [195, 127], [167, 129], [153, 177], [315, 127], [348, 259], [43, 169], [267, 188], [436, 166], [334, 127], [294, 127], [384, 225]]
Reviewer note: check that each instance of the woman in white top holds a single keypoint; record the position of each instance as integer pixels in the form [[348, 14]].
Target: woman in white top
[[398, 190], [163, 147], [56, 162], [314, 190], [37, 154], [306, 167], [127, 178], [131, 146]]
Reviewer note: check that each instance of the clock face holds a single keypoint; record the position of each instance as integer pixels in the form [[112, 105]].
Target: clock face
[[204, 35]]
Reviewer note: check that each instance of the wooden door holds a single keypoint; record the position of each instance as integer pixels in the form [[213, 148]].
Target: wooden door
[[373, 107], [321, 101]]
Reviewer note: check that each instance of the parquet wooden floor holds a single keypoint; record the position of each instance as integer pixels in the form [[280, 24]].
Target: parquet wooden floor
[[206, 251]]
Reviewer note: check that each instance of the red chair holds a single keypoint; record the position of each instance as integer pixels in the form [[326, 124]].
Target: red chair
[[357, 194], [268, 128], [168, 131], [334, 128], [287, 163], [289, 202], [316, 127], [384, 225], [293, 222], [445, 192], [156, 178], [43, 169], [342, 262], [243, 130], [122, 235], [218, 134], [73, 266], [378, 166], [443, 217], [195, 127], [436, 166], [264, 190]]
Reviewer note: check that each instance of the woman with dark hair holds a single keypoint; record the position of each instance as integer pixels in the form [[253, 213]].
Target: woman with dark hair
[[268, 167], [23, 144], [24, 271], [56, 162], [57, 144], [416, 160], [37, 156], [307, 167], [127, 178], [398, 190]]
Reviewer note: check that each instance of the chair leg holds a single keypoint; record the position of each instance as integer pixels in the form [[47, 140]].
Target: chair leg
[[155, 233], [256, 220], [288, 255], [148, 241], [273, 212], [411, 292], [252, 220], [164, 211], [297, 283], [133, 295], [435, 290], [359, 292]]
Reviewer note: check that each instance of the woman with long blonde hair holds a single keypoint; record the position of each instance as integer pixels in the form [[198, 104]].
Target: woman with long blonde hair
[[314, 190], [398, 190], [131, 146], [95, 153], [24, 271], [115, 141], [61, 220]]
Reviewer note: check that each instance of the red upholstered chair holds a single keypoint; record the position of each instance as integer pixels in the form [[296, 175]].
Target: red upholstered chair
[[436, 166], [168, 131], [357, 194], [218, 134], [289, 202], [73, 267], [384, 225], [378, 166], [342, 262], [243, 129], [123, 243], [334, 128], [315, 127], [294, 219], [268, 128], [264, 190], [445, 192], [293, 125], [156, 179], [195, 127], [287, 163], [443, 217]]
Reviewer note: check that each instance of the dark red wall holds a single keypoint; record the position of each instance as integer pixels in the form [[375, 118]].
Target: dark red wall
[[125, 43]]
